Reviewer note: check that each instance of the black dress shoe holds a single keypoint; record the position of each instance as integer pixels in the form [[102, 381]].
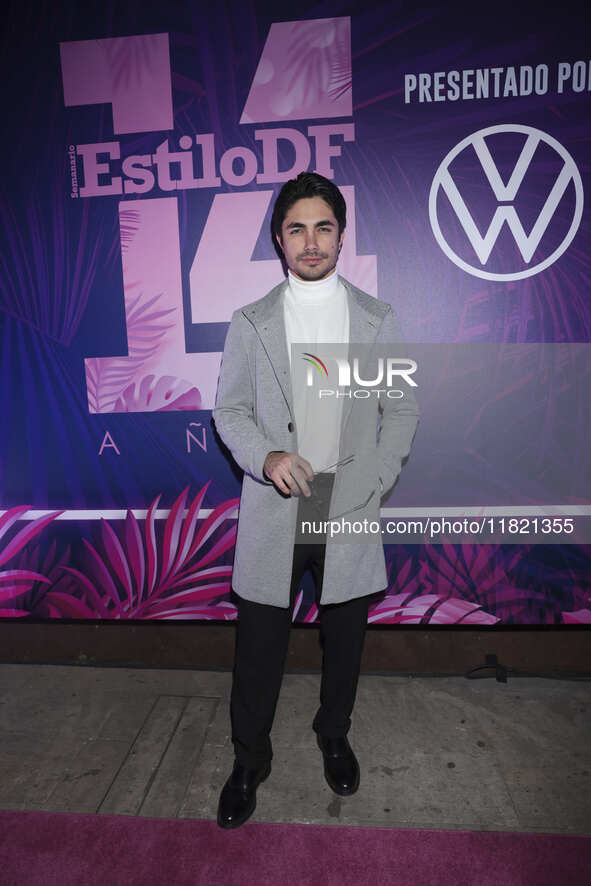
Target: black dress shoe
[[340, 764], [239, 795]]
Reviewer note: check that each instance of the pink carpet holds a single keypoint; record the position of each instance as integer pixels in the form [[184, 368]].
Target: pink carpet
[[55, 849]]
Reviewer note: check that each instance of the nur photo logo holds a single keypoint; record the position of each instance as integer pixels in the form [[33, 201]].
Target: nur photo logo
[[385, 371]]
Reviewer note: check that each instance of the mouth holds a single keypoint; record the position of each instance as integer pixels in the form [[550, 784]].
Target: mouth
[[312, 260]]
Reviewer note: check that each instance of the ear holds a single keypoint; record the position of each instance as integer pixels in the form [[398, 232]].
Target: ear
[[278, 238], [341, 236]]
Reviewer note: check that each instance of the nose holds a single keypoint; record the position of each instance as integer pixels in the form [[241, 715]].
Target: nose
[[311, 244]]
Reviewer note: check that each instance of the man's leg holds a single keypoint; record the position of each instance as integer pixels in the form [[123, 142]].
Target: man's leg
[[262, 636], [343, 628], [342, 631]]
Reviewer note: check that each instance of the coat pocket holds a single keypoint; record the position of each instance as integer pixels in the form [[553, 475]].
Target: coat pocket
[[356, 490]]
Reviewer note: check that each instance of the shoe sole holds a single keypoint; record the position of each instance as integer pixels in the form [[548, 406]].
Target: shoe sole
[[228, 826]]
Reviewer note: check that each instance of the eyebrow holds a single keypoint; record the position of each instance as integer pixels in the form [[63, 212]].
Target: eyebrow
[[296, 224]]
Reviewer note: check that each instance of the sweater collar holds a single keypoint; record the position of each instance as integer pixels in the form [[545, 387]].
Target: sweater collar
[[312, 291]]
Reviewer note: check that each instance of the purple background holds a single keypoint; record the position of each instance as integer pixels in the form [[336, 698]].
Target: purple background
[[62, 299]]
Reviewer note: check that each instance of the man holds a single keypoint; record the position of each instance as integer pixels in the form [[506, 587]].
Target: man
[[303, 457]]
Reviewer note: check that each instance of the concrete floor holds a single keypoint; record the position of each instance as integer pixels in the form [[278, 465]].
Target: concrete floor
[[434, 752]]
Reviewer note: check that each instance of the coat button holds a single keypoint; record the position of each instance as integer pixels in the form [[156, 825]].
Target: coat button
[[290, 427]]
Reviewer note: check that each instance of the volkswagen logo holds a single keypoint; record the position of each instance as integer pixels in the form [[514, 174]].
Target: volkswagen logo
[[530, 202]]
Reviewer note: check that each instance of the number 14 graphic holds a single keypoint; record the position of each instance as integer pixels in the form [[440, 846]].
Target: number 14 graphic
[[157, 373]]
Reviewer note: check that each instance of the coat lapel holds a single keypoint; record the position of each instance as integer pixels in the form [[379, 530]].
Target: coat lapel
[[363, 327], [266, 316]]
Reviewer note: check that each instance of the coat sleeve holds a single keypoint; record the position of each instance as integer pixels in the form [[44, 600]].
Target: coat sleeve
[[399, 417], [234, 408]]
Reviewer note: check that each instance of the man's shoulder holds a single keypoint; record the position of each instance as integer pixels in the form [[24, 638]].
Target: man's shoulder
[[365, 300], [261, 305]]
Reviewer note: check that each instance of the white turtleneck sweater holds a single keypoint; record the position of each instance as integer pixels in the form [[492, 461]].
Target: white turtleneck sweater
[[316, 312]]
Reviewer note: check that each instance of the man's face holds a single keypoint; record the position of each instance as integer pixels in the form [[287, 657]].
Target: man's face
[[310, 239]]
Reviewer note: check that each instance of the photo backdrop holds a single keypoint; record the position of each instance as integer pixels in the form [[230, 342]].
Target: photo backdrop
[[144, 145]]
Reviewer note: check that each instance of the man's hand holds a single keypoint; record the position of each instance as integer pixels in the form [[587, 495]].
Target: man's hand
[[289, 472]]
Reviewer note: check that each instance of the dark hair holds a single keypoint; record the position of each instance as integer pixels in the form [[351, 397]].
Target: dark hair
[[307, 184]]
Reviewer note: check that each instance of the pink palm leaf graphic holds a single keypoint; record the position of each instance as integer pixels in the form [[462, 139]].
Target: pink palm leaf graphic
[[442, 590], [578, 616], [107, 378], [14, 583], [173, 573], [313, 67], [53, 597]]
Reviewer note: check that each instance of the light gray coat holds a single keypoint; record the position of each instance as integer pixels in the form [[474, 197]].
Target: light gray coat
[[254, 413]]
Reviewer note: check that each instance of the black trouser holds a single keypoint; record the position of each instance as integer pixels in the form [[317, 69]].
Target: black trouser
[[261, 646]]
